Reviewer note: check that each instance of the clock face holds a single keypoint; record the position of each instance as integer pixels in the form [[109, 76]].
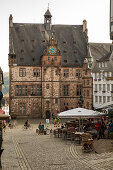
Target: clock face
[[52, 50]]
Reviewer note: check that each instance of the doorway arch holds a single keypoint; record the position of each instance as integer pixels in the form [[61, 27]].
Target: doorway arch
[[47, 114]]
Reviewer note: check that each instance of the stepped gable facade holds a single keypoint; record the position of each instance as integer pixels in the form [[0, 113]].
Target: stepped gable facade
[[48, 68]]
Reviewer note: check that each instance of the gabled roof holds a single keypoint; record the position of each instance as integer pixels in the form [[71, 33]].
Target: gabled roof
[[101, 52], [105, 57], [30, 40]]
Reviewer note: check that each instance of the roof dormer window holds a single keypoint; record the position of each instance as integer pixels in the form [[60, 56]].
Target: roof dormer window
[[65, 61], [33, 59], [22, 51], [21, 59], [75, 52]]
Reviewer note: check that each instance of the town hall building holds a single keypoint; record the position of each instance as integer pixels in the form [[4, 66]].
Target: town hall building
[[48, 68]]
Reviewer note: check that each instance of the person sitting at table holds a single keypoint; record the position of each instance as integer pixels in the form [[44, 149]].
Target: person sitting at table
[[72, 128], [41, 128], [84, 128], [62, 126]]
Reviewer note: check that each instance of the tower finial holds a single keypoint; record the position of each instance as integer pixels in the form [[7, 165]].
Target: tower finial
[[48, 5]]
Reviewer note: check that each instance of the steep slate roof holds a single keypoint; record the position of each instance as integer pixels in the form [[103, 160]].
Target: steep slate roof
[[101, 53], [30, 40], [48, 13]]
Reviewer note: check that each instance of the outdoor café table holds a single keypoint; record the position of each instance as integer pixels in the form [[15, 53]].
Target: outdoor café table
[[77, 136], [64, 132], [93, 133], [57, 131]]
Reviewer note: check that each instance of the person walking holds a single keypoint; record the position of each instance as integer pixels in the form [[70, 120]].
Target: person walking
[[110, 127], [98, 128], [103, 127]]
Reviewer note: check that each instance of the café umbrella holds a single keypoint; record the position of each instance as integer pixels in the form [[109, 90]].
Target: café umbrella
[[80, 113]]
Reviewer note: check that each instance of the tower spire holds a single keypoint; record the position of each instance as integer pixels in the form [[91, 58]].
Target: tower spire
[[48, 6], [47, 19]]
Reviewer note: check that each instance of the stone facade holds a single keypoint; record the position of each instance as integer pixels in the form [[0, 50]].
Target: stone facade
[[52, 98], [45, 89]]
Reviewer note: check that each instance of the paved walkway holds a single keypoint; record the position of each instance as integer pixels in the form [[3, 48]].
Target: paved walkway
[[25, 150]]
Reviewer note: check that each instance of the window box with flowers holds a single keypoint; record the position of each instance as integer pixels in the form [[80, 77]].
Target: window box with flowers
[[95, 91], [103, 91], [95, 79], [99, 79]]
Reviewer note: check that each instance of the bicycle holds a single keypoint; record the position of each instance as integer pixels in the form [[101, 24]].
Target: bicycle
[[11, 126], [27, 127]]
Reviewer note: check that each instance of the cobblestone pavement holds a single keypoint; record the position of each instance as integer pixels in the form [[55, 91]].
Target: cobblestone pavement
[[25, 150]]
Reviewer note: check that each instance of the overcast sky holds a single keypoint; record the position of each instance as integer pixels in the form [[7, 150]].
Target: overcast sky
[[72, 12]]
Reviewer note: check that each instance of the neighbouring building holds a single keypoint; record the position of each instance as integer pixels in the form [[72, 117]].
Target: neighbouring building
[[102, 72], [101, 64], [48, 68]]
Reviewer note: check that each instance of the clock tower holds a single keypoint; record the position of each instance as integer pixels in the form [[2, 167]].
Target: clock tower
[[51, 78], [52, 53]]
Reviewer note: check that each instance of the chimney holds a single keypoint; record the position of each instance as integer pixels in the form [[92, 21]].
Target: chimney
[[84, 25], [10, 20]]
